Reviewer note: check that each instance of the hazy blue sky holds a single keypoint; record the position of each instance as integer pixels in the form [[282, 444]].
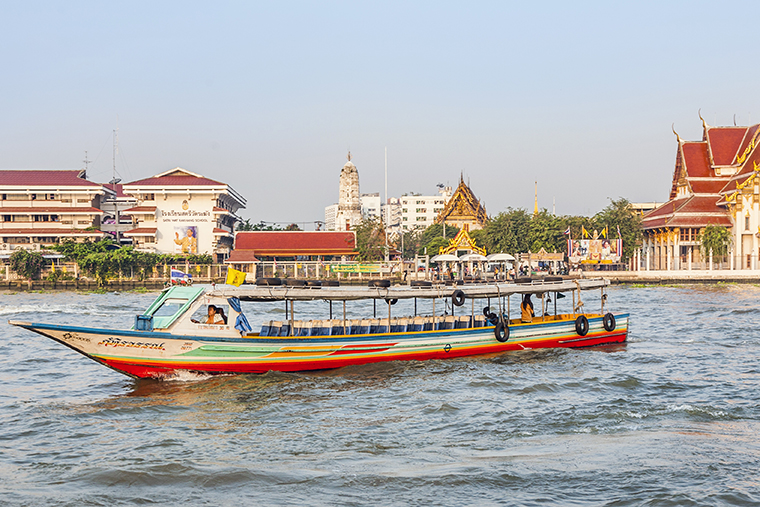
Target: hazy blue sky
[[268, 97]]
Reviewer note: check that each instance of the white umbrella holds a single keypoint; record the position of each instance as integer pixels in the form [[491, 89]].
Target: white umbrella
[[473, 257], [500, 257], [445, 258]]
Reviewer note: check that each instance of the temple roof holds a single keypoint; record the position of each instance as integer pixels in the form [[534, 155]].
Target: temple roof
[[463, 206], [296, 243]]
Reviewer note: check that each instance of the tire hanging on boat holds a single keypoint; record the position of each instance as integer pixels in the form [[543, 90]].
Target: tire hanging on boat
[[486, 311], [492, 318], [609, 322], [581, 325], [458, 297], [391, 301], [501, 331]]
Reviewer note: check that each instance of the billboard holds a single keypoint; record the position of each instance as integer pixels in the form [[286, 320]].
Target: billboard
[[604, 251], [186, 239]]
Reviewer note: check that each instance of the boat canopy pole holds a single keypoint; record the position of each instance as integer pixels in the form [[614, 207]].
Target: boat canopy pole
[[344, 316], [292, 317]]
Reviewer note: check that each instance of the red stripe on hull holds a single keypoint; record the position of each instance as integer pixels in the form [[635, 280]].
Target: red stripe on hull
[[168, 368]]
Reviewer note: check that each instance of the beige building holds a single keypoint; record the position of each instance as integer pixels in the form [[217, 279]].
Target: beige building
[[43, 207], [179, 211]]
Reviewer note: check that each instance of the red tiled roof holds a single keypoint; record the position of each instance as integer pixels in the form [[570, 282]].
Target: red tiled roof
[[221, 210], [177, 177], [293, 243], [140, 209], [44, 178], [217, 230], [50, 232], [697, 160], [141, 231], [241, 257], [59, 210], [725, 142], [693, 211], [712, 186]]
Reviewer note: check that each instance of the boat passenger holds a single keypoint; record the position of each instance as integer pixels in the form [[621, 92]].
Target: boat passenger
[[526, 309], [213, 316]]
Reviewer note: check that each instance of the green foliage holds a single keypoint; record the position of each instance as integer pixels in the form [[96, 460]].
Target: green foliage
[[370, 240], [105, 260], [262, 226], [716, 239], [432, 238], [507, 232], [26, 264]]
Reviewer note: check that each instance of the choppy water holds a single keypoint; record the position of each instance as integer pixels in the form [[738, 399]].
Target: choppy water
[[671, 418]]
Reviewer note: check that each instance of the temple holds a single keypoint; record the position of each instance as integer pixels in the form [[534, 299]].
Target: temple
[[714, 183], [463, 210]]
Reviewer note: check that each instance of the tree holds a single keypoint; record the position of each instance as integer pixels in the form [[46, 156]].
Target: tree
[[246, 225], [545, 232], [432, 238], [507, 232], [715, 239], [370, 240], [26, 264], [620, 214]]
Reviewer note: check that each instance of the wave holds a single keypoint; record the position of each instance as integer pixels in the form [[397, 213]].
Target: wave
[[73, 309]]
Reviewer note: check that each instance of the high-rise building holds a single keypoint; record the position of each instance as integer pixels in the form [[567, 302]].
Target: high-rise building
[[420, 211]]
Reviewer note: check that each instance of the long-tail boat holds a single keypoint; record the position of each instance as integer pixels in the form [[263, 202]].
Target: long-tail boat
[[171, 336]]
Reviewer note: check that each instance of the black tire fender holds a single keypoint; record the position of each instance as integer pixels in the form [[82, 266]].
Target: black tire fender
[[492, 318], [391, 301], [501, 331], [268, 281], [581, 325], [486, 311], [458, 297], [609, 322], [380, 283]]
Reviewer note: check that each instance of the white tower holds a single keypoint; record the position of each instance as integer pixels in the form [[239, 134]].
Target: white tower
[[349, 199]]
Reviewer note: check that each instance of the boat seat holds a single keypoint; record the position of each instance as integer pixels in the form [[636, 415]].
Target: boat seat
[[428, 323], [416, 324], [399, 325], [446, 322], [265, 327], [320, 328], [480, 321], [274, 328], [462, 322], [302, 328], [336, 327], [285, 330], [382, 326]]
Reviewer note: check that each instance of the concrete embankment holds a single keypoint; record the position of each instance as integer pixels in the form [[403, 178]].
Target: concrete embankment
[[676, 277]]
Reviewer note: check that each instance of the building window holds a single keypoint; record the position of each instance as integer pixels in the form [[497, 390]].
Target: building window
[[746, 223], [421, 210], [404, 219], [150, 197], [82, 201], [420, 219]]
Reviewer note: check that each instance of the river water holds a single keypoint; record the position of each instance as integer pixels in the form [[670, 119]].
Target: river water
[[671, 418]]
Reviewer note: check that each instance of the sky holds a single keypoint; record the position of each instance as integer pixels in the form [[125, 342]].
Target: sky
[[269, 97]]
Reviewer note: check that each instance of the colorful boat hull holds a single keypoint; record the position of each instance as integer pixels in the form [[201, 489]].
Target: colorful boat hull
[[143, 354]]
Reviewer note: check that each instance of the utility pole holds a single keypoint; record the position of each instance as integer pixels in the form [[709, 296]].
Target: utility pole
[[387, 219]]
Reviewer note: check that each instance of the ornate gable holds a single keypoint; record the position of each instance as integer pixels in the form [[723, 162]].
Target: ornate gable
[[463, 209]]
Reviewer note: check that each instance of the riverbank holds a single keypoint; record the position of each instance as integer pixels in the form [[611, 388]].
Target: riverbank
[[678, 277]]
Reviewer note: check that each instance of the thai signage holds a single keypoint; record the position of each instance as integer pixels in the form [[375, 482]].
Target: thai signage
[[355, 268]]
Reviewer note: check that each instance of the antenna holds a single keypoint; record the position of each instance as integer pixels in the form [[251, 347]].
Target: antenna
[[86, 163], [115, 180]]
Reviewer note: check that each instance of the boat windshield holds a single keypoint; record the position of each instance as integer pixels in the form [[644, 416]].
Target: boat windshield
[[169, 307]]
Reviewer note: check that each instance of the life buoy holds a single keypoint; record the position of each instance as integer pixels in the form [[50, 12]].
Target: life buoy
[[458, 298], [391, 301], [609, 322], [581, 325], [501, 331]]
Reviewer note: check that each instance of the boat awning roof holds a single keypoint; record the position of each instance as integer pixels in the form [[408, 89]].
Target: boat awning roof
[[280, 293]]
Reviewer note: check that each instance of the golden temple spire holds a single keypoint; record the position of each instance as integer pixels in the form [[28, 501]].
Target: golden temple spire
[[535, 204]]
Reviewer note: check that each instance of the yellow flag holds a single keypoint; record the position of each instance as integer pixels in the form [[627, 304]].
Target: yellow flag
[[584, 232], [235, 277], [604, 232]]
